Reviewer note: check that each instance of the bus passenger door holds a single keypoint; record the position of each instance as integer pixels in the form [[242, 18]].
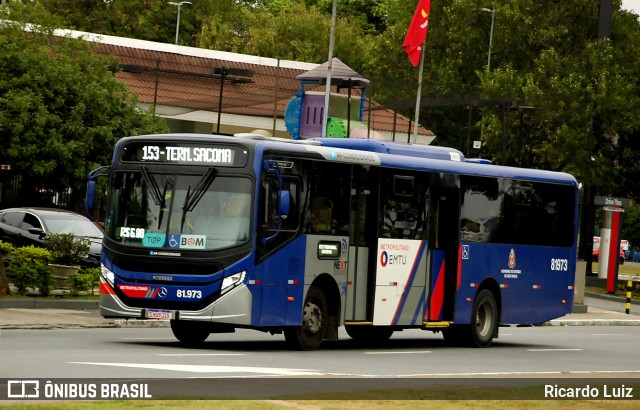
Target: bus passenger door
[[399, 256], [445, 215], [363, 231]]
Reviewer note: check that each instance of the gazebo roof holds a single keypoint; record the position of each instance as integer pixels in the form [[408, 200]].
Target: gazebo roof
[[340, 75]]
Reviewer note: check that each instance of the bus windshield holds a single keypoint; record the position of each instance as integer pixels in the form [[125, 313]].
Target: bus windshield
[[190, 212]]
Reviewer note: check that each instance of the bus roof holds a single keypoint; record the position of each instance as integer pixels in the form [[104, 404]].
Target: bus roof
[[387, 154], [394, 148]]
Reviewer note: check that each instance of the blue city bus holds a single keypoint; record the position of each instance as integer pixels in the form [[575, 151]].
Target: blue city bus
[[215, 233]]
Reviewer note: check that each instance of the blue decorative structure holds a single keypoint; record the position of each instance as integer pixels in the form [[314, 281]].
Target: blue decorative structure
[[304, 113]]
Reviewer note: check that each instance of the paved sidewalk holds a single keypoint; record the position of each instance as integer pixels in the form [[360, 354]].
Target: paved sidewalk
[[52, 314], [597, 317], [61, 314]]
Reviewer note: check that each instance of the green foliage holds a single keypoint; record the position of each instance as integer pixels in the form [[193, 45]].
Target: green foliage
[[584, 91], [66, 248], [28, 269], [61, 107], [5, 248], [631, 225], [84, 281]]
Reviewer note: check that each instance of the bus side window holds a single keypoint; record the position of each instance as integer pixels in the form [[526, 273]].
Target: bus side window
[[329, 205], [274, 230], [404, 209], [321, 214]]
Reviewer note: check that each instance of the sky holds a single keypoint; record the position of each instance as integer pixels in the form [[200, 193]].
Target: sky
[[632, 5]]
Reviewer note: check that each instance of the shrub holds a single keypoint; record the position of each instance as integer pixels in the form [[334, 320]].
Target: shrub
[[66, 248], [5, 250], [28, 269], [85, 281]]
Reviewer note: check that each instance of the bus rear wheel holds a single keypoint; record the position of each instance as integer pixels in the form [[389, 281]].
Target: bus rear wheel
[[484, 319], [189, 333], [311, 333], [483, 327], [369, 334]]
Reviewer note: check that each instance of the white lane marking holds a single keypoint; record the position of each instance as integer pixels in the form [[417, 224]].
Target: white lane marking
[[210, 369], [609, 334], [488, 374], [198, 354], [410, 352], [555, 350], [148, 338]]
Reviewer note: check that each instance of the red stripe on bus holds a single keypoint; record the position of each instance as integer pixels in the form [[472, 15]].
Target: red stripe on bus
[[105, 289], [437, 298]]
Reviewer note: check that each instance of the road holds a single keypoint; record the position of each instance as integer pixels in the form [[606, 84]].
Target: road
[[251, 364], [153, 353]]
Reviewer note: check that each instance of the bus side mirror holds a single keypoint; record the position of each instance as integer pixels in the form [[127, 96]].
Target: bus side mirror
[[91, 193], [91, 186]]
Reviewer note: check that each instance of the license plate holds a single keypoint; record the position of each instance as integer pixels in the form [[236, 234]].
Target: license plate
[[158, 314]]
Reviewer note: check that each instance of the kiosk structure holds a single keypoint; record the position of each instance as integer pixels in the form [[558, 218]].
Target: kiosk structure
[[610, 239]]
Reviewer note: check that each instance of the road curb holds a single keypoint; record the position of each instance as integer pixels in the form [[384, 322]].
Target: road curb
[[36, 303], [594, 322], [138, 323]]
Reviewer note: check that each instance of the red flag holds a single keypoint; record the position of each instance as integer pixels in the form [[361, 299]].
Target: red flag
[[417, 32]]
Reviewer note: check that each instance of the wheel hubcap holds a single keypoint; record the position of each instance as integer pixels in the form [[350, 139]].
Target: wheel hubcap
[[483, 320], [312, 318]]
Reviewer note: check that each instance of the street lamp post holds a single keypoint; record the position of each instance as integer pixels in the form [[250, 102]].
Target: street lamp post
[[179, 5], [493, 17]]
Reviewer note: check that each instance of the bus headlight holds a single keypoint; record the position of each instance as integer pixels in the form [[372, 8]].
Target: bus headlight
[[107, 274], [232, 281]]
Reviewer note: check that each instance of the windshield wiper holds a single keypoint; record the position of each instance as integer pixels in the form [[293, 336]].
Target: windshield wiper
[[192, 198], [158, 197]]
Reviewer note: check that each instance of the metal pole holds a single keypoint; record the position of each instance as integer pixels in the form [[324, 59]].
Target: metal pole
[[178, 24], [627, 305], [179, 5], [493, 14], [224, 71], [327, 93], [493, 17], [417, 113]]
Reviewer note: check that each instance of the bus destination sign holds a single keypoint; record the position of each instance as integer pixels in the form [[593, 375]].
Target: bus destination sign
[[186, 154]]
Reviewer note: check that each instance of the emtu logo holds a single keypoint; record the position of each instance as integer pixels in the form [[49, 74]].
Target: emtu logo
[[384, 258]]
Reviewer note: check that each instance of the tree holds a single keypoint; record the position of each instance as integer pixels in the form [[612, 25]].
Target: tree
[[61, 107], [153, 20], [583, 91]]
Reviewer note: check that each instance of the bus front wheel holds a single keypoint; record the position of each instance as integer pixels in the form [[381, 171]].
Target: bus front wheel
[[310, 334], [189, 333]]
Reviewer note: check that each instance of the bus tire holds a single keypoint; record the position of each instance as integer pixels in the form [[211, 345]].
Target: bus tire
[[484, 319], [311, 333], [369, 334], [189, 333]]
